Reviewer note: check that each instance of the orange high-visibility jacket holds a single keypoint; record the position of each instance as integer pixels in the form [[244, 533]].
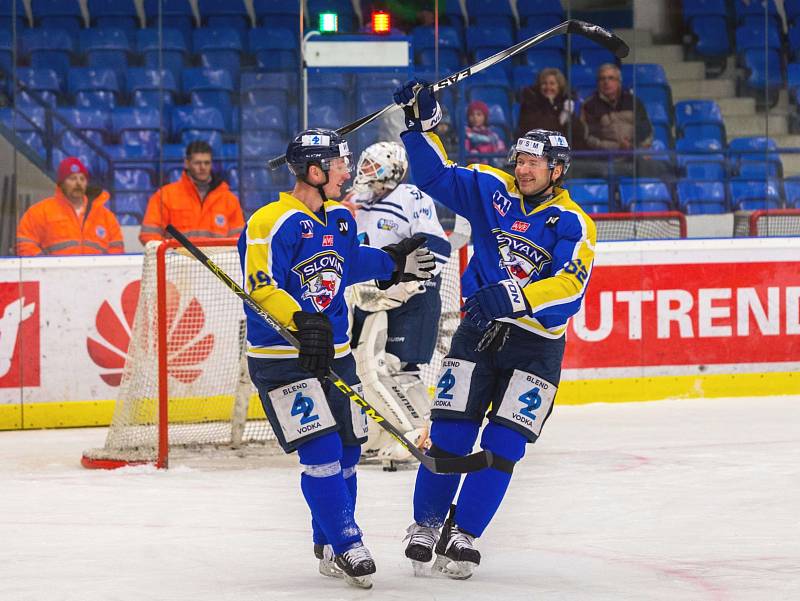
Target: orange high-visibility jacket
[[179, 204], [52, 227]]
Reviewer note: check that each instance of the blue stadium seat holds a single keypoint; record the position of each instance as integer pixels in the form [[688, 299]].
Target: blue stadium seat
[[126, 178], [151, 87], [792, 10], [119, 14], [701, 197], [699, 119], [791, 188], [20, 122], [106, 48], [219, 48], [275, 49], [793, 38], [210, 88], [523, 76], [35, 114], [167, 49], [138, 127], [94, 87], [256, 177], [231, 13], [344, 8], [263, 144], [6, 51], [644, 195], [94, 123], [649, 82], [532, 12], [450, 46], [274, 14], [44, 83], [171, 14], [48, 49], [695, 168], [582, 80], [198, 123], [491, 13], [10, 11], [707, 24], [259, 89], [268, 118], [749, 13], [591, 194], [487, 39], [448, 61], [755, 149], [590, 53], [755, 47], [752, 195], [57, 14]]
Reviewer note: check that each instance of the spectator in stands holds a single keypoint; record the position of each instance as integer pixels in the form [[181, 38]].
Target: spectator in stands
[[199, 204], [70, 222], [614, 119], [480, 138], [548, 105], [447, 134]]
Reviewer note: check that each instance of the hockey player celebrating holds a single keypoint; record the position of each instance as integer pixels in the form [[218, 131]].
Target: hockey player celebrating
[[396, 328], [298, 254], [534, 249]]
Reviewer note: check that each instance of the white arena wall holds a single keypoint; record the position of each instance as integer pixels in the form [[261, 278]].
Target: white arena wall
[[661, 320]]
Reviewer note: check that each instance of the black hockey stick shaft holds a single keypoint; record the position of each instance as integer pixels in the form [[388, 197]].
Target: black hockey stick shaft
[[438, 465], [594, 32]]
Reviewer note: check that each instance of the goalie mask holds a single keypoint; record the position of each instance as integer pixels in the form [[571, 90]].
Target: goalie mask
[[381, 168], [543, 143]]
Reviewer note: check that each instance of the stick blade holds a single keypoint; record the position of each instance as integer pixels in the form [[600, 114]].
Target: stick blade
[[459, 465], [605, 38]]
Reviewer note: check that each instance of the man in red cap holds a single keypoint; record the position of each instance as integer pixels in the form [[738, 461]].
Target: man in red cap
[[70, 223]]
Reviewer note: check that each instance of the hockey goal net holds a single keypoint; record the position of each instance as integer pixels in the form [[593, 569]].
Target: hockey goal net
[[185, 388], [640, 226], [772, 222]]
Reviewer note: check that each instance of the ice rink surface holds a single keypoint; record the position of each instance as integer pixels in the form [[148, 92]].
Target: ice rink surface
[[695, 500]]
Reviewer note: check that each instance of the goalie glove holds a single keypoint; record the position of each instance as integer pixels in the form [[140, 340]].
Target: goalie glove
[[504, 299], [412, 261], [368, 297], [422, 111]]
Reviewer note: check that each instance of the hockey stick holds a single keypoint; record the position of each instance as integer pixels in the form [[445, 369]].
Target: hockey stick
[[595, 33], [437, 465]]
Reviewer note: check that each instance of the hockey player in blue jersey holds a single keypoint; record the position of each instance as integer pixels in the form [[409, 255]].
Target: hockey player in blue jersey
[[395, 329], [298, 254], [533, 253]]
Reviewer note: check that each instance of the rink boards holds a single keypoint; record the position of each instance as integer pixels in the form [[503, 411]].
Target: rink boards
[[661, 319]]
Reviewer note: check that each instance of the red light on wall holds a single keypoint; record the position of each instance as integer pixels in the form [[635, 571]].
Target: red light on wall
[[381, 22]]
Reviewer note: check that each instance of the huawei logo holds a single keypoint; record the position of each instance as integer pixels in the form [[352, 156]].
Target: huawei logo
[[185, 347]]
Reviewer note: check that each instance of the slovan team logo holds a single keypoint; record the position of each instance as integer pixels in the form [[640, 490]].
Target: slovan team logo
[[500, 203], [186, 348], [321, 276], [307, 228], [520, 257]]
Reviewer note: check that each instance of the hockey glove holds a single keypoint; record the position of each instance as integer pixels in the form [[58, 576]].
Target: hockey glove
[[504, 299], [419, 105], [315, 334], [412, 261]]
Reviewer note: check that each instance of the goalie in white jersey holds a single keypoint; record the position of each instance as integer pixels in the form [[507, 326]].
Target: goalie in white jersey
[[396, 328]]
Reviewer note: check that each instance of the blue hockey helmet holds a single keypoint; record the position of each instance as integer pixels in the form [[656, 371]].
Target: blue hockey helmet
[[316, 147], [543, 143]]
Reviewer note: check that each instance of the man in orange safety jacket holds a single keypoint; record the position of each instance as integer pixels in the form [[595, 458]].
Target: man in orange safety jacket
[[199, 204], [69, 222]]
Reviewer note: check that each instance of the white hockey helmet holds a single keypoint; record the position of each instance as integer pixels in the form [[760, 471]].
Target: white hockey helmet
[[381, 168]]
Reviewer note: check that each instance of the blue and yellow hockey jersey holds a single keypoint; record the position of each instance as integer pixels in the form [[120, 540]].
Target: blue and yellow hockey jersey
[[548, 249], [296, 260]]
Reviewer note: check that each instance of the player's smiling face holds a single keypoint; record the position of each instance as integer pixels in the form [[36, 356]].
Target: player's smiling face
[[338, 174], [533, 175]]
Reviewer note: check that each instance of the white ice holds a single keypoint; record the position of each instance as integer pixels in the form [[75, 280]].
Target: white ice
[[677, 500]]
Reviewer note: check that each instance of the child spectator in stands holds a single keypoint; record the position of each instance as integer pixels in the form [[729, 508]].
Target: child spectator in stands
[[73, 221], [480, 138], [548, 105]]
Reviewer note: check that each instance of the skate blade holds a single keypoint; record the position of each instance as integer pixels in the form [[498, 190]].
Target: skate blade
[[421, 569], [457, 570], [358, 581], [330, 570]]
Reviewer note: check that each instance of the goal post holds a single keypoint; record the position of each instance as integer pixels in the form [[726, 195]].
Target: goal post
[[657, 225]]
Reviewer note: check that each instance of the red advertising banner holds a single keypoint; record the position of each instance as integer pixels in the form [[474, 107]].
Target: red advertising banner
[[19, 334], [688, 314]]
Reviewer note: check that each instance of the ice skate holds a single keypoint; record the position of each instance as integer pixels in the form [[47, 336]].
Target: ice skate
[[456, 557], [421, 541], [327, 565], [357, 566]]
